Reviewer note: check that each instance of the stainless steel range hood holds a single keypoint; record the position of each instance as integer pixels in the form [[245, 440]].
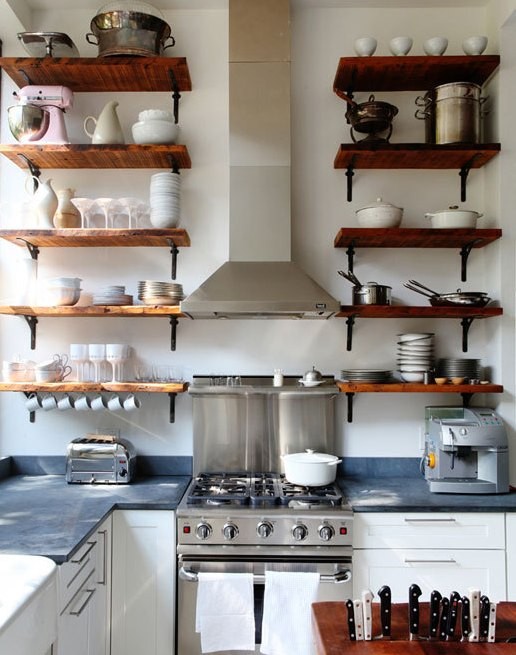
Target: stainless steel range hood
[[259, 154], [260, 290]]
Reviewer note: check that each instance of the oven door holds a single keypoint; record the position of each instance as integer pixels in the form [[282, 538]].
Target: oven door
[[335, 584]]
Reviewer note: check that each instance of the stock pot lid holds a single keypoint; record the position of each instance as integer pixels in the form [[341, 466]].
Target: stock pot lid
[[310, 457]]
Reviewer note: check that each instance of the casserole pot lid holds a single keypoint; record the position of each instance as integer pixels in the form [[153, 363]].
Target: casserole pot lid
[[454, 209], [311, 457], [379, 203]]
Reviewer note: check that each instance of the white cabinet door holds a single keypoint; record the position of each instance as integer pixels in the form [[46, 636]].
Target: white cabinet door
[[143, 582], [510, 521], [445, 570], [99, 625]]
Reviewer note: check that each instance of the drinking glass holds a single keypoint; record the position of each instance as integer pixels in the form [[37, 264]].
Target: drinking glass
[[97, 356], [116, 355], [79, 355], [83, 205], [98, 213]]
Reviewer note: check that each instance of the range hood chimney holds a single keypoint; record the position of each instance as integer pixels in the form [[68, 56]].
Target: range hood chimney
[[259, 280]]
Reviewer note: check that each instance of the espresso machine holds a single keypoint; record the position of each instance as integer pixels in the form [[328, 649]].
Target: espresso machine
[[466, 451], [45, 104]]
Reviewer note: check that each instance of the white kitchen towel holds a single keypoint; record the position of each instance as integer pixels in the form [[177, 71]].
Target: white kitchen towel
[[225, 611], [287, 620]]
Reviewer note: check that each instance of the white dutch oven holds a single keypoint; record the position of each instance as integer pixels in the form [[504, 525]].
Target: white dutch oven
[[379, 214], [453, 218], [310, 469]]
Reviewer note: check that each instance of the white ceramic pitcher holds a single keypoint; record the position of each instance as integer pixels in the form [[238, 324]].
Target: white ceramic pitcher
[[107, 125]]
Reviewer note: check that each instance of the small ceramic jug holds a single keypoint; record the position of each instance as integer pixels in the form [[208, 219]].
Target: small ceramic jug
[[67, 215], [107, 125], [45, 205]]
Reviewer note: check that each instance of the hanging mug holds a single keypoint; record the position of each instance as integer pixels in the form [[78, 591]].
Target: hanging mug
[[107, 126]]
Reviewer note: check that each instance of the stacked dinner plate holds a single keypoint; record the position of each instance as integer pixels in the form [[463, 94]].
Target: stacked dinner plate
[[415, 355], [459, 368], [112, 295], [151, 292], [365, 375], [165, 189]]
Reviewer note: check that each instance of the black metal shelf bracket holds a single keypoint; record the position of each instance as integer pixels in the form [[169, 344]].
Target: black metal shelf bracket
[[174, 165], [32, 415], [33, 250], [173, 331], [174, 250], [466, 398], [466, 324], [350, 395], [172, 407], [463, 173], [350, 321], [32, 321], [175, 94], [35, 171], [350, 252], [464, 254], [350, 172]]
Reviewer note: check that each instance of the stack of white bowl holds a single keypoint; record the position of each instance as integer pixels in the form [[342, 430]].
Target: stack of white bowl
[[415, 355], [165, 191], [151, 292], [112, 295], [61, 291]]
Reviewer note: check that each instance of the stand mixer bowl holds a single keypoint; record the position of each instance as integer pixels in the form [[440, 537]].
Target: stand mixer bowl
[[28, 122]]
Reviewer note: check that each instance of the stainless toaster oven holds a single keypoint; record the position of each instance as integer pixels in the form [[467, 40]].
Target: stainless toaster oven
[[101, 459]]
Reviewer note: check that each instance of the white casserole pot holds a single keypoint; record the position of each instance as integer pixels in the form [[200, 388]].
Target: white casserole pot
[[310, 469], [454, 218], [379, 214]]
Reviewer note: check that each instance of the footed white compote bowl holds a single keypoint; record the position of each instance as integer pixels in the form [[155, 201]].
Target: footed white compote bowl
[[116, 355], [97, 356]]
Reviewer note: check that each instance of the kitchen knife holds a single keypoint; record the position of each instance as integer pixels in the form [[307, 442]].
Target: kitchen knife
[[367, 600], [435, 605], [413, 617], [465, 619], [385, 610], [492, 622], [359, 619], [452, 615], [485, 606], [443, 622], [351, 620], [474, 609]]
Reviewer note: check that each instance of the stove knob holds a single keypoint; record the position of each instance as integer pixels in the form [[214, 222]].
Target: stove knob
[[326, 532], [203, 531], [230, 531], [264, 529], [299, 532]]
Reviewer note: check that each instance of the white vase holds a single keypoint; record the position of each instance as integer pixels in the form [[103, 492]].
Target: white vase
[[45, 205]]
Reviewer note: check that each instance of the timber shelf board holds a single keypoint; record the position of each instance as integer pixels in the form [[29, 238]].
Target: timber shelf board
[[100, 74], [401, 237], [411, 73], [94, 238], [414, 155], [409, 311], [413, 387], [134, 311], [90, 387], [82, 155]]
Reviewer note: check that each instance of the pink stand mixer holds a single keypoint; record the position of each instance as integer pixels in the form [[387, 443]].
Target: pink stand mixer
[[39, 114]]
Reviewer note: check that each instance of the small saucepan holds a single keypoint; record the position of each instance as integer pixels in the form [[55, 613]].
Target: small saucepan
[[310, 469], [370, 293]]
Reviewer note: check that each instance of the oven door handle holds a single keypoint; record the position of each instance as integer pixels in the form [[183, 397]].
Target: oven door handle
[[259, 578]]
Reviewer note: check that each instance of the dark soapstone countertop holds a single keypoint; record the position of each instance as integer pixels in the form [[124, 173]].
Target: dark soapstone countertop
[[44, 515]]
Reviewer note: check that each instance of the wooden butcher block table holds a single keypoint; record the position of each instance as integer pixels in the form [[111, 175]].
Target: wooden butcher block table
[[332, 637]]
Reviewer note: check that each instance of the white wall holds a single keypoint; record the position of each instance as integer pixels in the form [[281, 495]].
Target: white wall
[[384, 424]]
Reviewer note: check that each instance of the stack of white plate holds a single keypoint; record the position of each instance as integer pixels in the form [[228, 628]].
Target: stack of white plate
[[112, 295], [459, 368], [415, 355], [151, 292], [364, 375], [165, 190]]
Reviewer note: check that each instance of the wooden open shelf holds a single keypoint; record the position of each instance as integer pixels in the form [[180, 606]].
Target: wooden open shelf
[[102, 73], [97, 238], [402, 237], [90, 387], [411, 73], [410, 311], [97, 156], [133, 311], [417, 387]]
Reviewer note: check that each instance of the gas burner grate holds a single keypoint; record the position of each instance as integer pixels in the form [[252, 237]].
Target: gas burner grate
[[264, 489], [220, 489], [308, 496]]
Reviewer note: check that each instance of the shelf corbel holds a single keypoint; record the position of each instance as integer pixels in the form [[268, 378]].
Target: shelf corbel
[[466, 324], [350, 396], [463, 173], [173, 331], [464, 254], [350, 252], [466, 398], [175, 94], [350, 172], [32, 321], [33, 250], [172, 407], [174, 251], [350, 321], [35, 171]]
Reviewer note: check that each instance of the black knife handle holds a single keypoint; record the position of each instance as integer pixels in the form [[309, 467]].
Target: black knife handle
[[453, 613], [414, 594], [465, 618], [485, 609], [384, 594], [443, 623], [435, 604], [351, 620]]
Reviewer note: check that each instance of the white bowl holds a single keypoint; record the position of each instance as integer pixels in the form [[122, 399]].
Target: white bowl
[[435, 46], [63, 282], [415, 336], [61, 296], [400, 45], [365, 46], [42, 375], [474, 45], [155, 131], [418, 376]]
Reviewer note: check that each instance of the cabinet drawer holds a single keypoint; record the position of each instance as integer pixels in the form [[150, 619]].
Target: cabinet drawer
[[429, 530], [446, 570], [73, 574]]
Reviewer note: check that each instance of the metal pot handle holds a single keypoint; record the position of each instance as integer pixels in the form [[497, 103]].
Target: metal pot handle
[[423, 101], [169, 45], [481, 102], [94, 36], [421, 114]]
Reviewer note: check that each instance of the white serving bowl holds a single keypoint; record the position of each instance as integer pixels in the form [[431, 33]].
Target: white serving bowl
[[155, 131], [435, 46], [400, 45], [365, 46], [415, 376], [62, 296], [474, 45], [63, 282]]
